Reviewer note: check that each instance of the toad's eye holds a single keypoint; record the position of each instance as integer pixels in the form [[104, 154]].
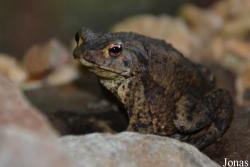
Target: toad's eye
[[115, 50]]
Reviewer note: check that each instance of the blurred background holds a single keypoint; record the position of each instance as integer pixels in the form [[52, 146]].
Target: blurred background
[[26, 22]]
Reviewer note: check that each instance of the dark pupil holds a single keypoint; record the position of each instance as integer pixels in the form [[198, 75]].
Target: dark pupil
[[115, 49]]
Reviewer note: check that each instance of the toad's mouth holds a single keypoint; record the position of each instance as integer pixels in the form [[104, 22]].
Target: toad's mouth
[[102, 71]]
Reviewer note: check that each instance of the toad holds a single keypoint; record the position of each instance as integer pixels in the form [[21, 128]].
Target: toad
[[163, 92]]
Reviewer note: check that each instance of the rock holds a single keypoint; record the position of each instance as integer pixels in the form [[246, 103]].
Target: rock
[[222, 9], [237, 28], [172, 30], [239, 48], [203, 22], [60, 76], [217, 49], [132, 149], [231, 53], [223, 30], [232, 9], [236, 54], [21, 148], [10, 68], [39, 60], [50, 64], [16, 111], [236, 24], [26, 138]]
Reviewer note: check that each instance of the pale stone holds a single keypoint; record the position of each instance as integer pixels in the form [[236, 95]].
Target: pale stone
[[130, 149], [10, 68]]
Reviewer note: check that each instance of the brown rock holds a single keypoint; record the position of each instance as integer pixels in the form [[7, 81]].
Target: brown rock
[[62, 75], [239, 48], [239, 27], [232, 9], [222, 9], [217, 48], [173, 30], [10, 68], [49, 64], [231, 53], [42, 59], [203, 22], [236, 54]]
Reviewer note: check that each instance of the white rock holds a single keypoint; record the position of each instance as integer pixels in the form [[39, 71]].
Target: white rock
[[130, 149]]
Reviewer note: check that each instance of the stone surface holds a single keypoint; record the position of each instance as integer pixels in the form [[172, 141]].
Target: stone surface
[[40, 60], [129, 149], [26, 138], [49, 64], [232, 9], [10, 68], [204, 22], [16, 111], [62, 75], [22, 148], [237, 28], [238, 48]]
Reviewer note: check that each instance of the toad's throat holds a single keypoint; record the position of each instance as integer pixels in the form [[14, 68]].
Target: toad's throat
[[98, 69]]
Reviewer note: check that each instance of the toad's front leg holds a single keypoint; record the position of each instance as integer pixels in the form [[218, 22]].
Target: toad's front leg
[[210, 122]]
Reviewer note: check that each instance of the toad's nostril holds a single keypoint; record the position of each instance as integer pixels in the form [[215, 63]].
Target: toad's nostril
[[77, 37]]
